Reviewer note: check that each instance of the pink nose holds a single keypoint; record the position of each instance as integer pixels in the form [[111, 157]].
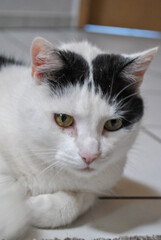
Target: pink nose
[[89, 158]]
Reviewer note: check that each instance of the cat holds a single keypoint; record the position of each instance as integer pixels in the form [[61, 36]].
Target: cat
[[66, 125]]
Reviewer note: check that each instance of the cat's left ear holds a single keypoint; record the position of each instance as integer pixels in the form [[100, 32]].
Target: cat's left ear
[[44, 58], [137, 65]]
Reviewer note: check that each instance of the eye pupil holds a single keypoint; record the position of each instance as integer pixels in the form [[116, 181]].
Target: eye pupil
[[63, 117], [113, 122]]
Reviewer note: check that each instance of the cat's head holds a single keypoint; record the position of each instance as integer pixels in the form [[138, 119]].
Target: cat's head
[[86, 108]]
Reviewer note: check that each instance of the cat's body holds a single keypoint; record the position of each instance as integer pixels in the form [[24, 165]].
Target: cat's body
[[49, 175]]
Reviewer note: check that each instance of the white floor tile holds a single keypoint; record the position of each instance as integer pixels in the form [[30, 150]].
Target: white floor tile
[[156, 131], [55, 36], [152, 82], [144, 165], [152, 114]]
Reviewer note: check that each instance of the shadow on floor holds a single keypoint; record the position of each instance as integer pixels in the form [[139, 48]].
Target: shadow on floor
[[119, 216]]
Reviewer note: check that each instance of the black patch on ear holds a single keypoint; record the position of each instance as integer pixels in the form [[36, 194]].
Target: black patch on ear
[[75, 70], [4, 61], [107, 78]]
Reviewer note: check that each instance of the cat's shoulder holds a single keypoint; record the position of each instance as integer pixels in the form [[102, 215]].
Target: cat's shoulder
[[11, 72], [8, 61]]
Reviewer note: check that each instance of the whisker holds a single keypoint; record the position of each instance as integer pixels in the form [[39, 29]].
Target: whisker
[[60, 170], [28, 150], [129, 85], [131, 95], [111, 87], [48, 167]]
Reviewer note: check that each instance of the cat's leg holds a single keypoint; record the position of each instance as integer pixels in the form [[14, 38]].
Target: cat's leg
[[14, 211], [60, 208]]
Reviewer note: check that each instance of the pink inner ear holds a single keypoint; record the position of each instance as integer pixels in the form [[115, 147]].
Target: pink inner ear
[[140, 65], [42, 59], [140, 73], [36, 49]]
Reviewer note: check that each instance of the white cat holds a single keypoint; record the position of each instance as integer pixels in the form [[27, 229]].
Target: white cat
[[66, 124]]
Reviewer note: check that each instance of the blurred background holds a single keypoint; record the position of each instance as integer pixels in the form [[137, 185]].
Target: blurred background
[[39, 13], [141, 14]]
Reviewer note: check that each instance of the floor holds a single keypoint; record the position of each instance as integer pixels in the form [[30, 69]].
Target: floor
[[142, 176]]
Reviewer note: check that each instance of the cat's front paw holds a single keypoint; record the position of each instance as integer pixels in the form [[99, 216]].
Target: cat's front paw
[[43, 210], [14, 223], [58, 209]]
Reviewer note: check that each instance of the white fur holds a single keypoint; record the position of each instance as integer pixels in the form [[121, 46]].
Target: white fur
[[41, 181]]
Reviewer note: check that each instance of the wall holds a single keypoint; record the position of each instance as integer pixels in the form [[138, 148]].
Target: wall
[[39, 13]]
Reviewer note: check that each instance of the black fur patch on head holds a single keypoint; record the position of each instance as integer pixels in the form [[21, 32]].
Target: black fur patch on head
[[74, 71], [106, 70], [107, 78], [4, 61]]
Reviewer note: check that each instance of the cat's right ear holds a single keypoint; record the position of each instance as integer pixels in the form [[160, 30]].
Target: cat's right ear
[[44, 58], [138, 64]]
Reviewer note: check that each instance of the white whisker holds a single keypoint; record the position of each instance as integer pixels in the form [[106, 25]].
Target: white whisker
[[48, 167], [127, 86], [111, 87], [129, 96]]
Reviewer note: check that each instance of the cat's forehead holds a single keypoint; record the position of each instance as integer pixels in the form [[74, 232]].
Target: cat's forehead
[[86, 50], [81, 102], [83, 63]]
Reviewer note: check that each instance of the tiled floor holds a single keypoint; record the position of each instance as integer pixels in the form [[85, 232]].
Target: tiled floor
[[142, 177]]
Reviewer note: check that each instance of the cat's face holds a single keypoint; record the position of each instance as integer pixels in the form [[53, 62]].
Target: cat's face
[[86, 112], [95, 136]]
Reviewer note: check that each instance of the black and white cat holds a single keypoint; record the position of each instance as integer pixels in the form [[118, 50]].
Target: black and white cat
[[66, 124]]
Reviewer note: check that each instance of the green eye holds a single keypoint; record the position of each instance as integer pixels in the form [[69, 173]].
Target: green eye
[[113, 124], [64, 120]]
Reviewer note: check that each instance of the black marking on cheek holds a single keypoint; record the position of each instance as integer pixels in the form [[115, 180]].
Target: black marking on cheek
[[107, 78], [4, 61], [75, 70], [134, 111]]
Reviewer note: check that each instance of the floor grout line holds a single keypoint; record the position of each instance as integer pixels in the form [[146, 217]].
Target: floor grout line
[[150, 134], [131, 198]]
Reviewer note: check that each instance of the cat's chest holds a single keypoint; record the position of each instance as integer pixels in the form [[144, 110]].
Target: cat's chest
[[47, 183]]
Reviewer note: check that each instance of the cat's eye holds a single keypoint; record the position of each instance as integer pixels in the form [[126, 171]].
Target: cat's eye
[[113, 124], [64, 120]]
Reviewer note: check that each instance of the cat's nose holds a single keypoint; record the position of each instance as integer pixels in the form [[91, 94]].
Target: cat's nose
[[89, 158]]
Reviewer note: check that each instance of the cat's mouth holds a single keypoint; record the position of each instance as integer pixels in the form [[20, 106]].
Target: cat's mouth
[[87, 169]]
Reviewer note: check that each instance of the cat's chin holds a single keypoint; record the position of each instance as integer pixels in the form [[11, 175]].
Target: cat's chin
[[86, 171]]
